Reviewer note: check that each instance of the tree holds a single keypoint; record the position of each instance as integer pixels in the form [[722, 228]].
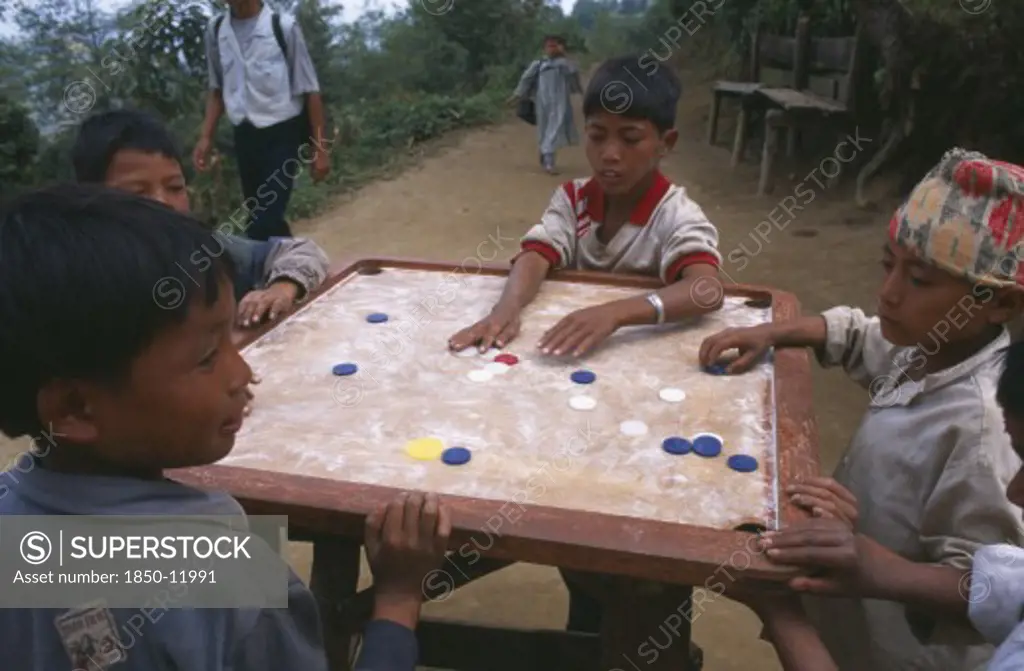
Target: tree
[[491, 33], [19, 145], [62, 39], [318, 21], [157, 60]]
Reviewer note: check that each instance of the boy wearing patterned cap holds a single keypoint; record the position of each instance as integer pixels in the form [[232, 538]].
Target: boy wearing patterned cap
[[923, 480]]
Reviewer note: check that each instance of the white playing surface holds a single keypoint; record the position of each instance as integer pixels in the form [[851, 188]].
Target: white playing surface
[[529, 446]]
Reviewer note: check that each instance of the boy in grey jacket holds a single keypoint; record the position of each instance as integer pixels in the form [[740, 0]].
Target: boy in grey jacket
[[133, 151]]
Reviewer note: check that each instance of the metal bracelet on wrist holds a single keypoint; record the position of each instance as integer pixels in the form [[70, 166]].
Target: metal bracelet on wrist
[[659, 306]]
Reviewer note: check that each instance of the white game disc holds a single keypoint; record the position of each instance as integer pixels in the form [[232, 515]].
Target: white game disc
[[582, 403], [468, 352], [633, 427], [497, 368], [672, 395], [479, 375]]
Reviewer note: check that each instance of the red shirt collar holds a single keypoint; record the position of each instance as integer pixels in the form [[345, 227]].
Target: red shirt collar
[[592, 193]]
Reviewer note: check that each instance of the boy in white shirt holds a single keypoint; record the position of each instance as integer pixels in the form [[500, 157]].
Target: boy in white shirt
[[626, 218], [262, 78], [923, 480], [990, 594]]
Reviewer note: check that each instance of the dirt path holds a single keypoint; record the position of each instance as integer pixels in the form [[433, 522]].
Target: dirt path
[[476, 197], [488, 187]]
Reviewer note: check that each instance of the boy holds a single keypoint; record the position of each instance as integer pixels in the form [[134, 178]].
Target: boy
[[125, 389], [626, 218], [133, 151], [991, 594], [550, 81], [931, 458], [262, 77]]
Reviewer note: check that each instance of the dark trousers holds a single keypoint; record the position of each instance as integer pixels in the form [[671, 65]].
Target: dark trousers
[[268, 163]]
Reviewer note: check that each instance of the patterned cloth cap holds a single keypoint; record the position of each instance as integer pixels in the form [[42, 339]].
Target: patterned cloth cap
[[967, 217]]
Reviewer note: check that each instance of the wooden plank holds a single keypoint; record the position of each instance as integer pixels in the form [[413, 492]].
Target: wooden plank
[[801, 46], [801, 101], [725, 87], [777, 51], [831, 54], [333, 580]]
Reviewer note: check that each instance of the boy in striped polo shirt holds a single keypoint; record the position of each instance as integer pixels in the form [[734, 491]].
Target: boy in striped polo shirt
[[625, 218]]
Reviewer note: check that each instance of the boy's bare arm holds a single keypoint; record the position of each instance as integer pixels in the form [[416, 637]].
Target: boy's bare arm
[[754, 342], [808, 331], [797, 642], [502, 324], [315, 110], [698, 292], [851, 564], [524, 281], [214, 110], [933, 587]]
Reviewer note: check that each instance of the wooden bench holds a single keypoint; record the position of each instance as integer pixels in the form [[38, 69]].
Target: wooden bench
[[778, 55], [827, 98]]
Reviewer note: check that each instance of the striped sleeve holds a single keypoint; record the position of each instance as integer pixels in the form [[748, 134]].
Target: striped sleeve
[[554, 237], [688, 238]]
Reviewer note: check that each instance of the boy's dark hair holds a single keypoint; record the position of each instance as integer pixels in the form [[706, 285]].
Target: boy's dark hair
[[1010, 390], [555, 38], [103, 135], [622, 86], [89, 276]]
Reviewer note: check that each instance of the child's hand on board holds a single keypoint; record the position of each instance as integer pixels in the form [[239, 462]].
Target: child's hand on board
[[405, 541], [495, 330], [267, 304], [843, 562], [824, 497], [751, 342], [581, 331]]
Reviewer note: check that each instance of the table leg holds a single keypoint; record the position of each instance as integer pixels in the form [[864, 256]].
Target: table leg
[[647, 627], [333, 581]]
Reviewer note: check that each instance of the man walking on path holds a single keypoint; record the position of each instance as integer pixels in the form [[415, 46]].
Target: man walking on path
[[262, 76], [550, 81]]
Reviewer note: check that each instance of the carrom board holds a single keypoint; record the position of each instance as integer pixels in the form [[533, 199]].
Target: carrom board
[[548, 482]]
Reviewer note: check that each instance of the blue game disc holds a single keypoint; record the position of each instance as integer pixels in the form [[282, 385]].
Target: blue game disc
[[455, 456], [744, 463], [707, 446], [716, 369], [676, 445], [377, 318], [583, 377], [345, 369]]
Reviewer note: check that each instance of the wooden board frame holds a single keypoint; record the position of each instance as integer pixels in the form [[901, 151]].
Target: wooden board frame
[[593, 542]]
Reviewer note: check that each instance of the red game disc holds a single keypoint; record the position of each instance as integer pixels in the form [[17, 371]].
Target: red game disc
[[507, 359]]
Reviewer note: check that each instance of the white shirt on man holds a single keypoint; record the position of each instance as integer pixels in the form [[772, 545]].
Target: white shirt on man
[[259, 83]]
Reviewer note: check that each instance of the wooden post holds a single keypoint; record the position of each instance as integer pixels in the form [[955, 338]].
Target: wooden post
[[648, 629], [716, 106], [773, 127], [333, 581], [801, 75], [739, 145]]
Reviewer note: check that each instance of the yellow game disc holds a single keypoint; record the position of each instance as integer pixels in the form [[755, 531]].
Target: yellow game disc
[[424, 449]]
